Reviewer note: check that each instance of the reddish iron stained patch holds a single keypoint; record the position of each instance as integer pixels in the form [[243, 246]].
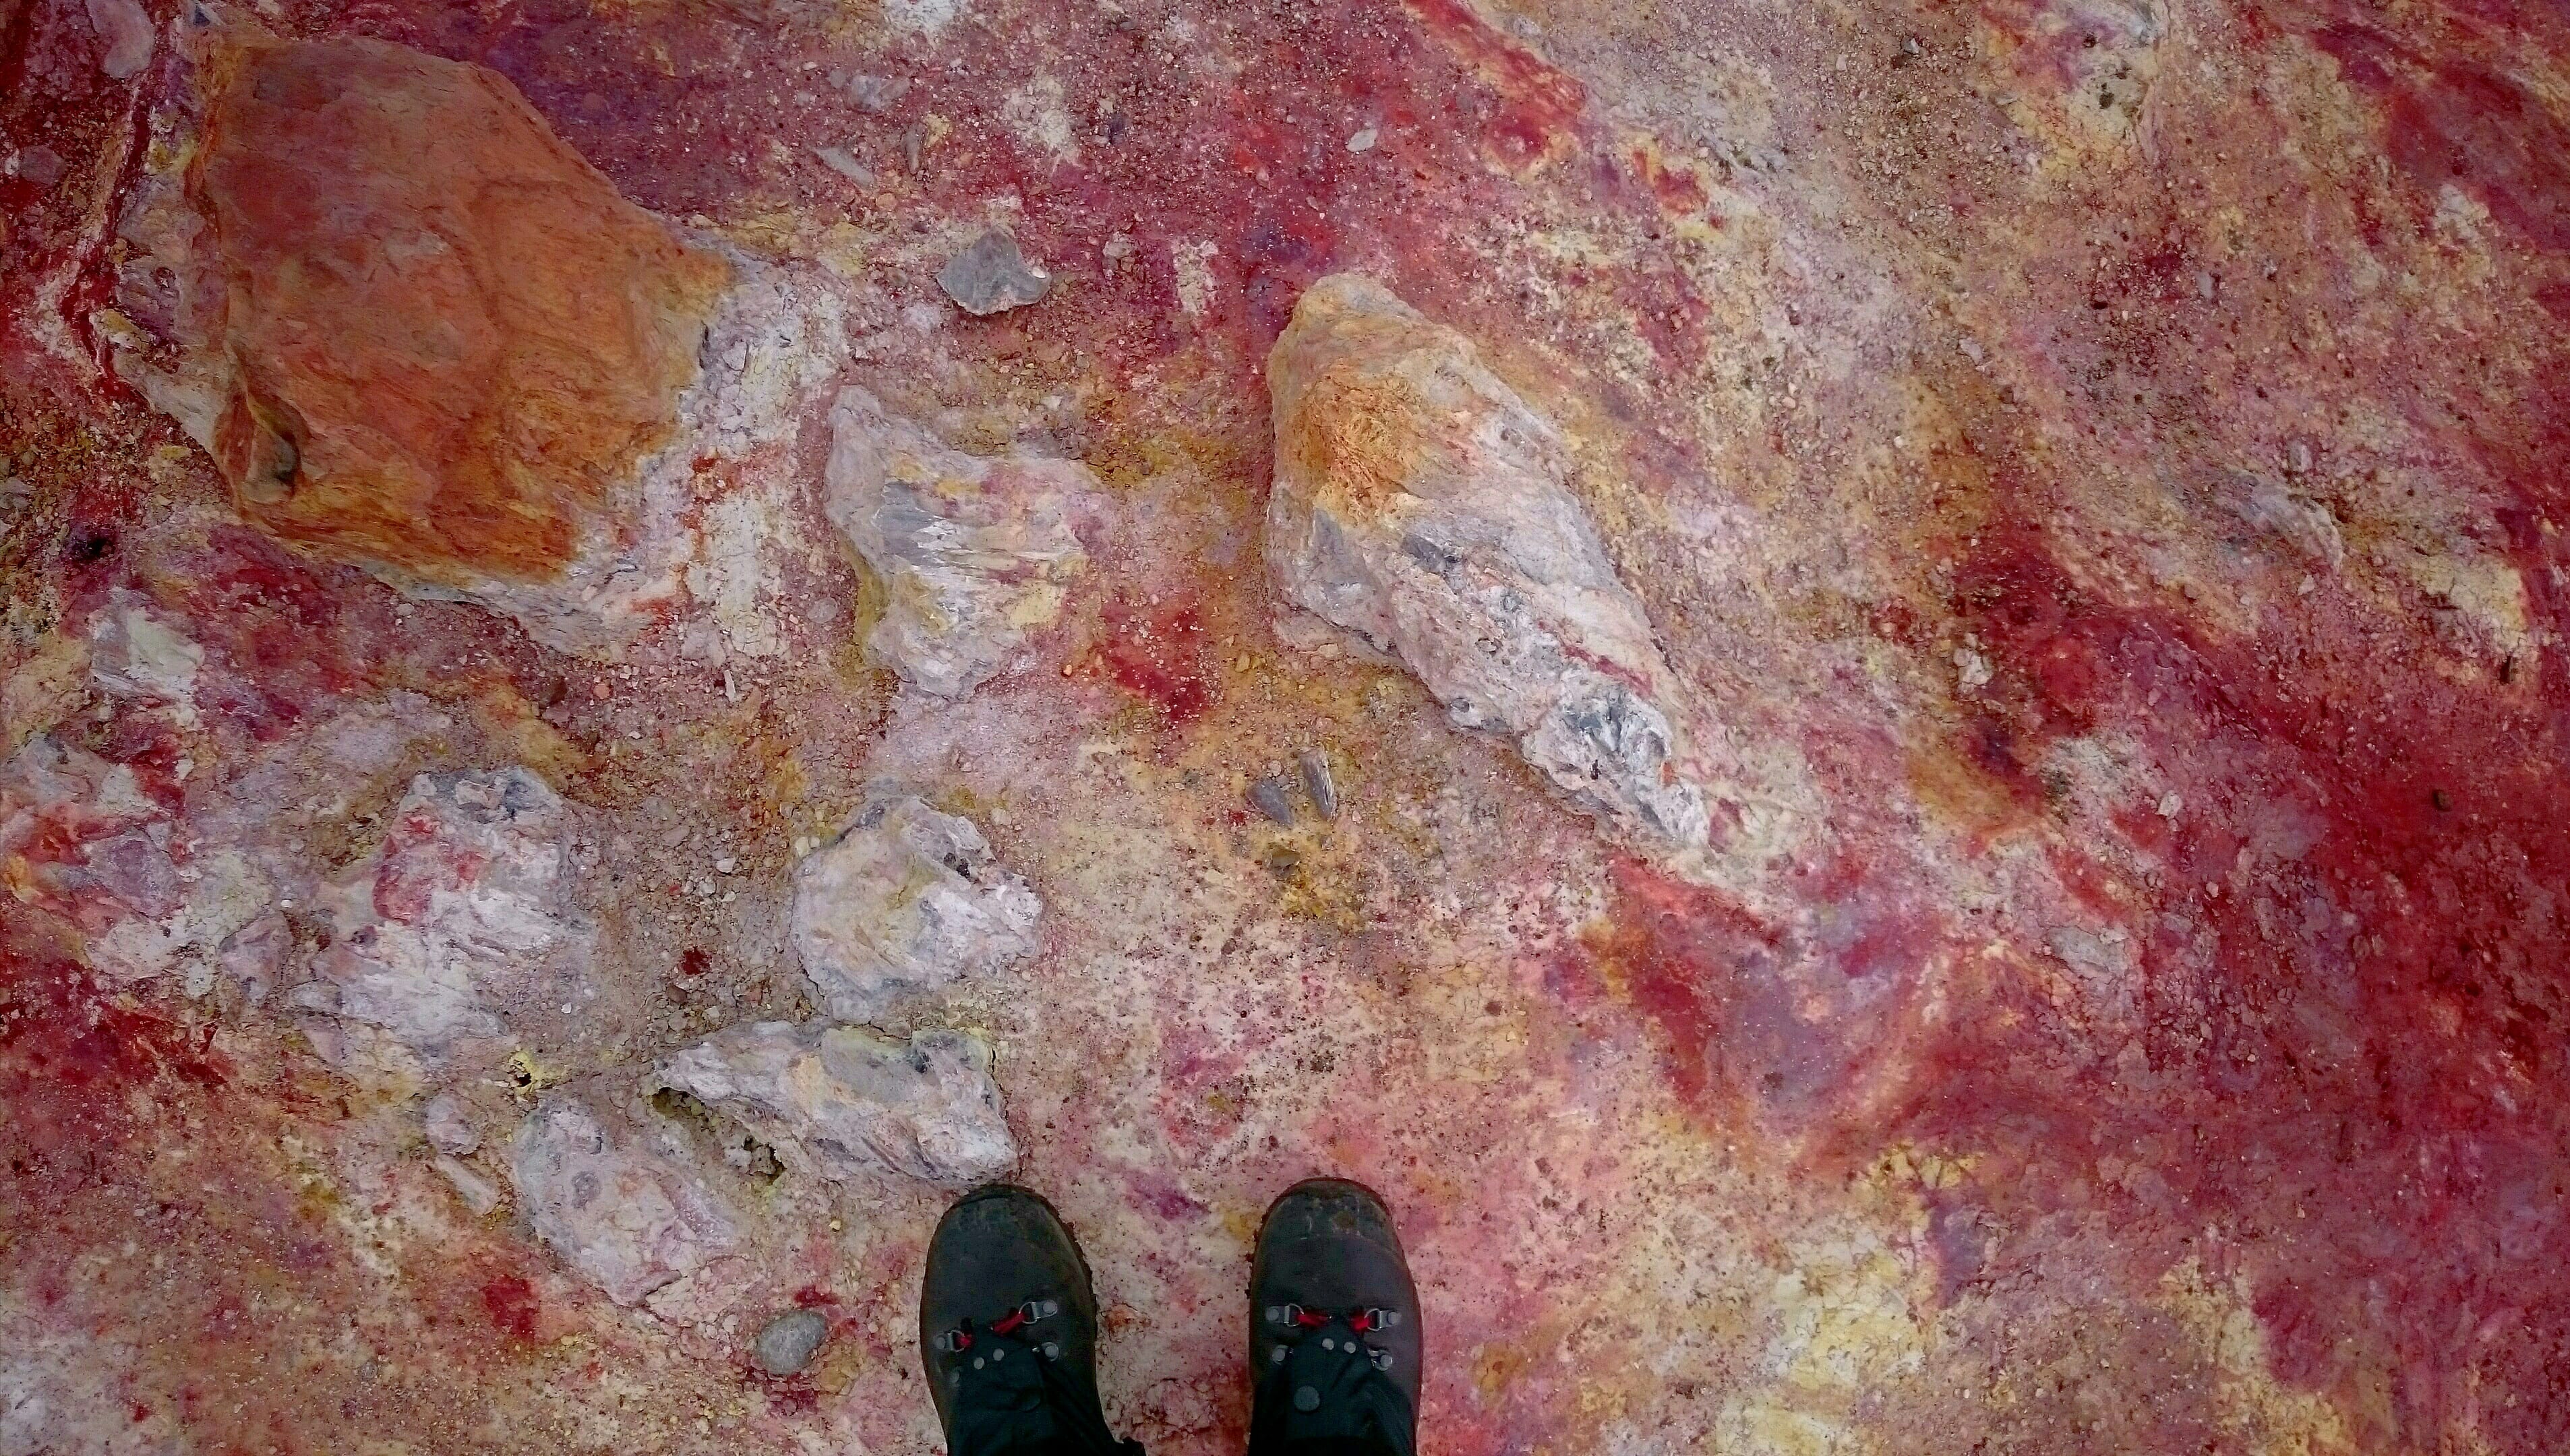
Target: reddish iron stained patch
[[1157, 654], [2454, 122], [2346, 1053], [511, 1303]]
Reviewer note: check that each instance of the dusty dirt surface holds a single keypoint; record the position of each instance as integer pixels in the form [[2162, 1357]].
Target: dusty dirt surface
[[2094, 470]]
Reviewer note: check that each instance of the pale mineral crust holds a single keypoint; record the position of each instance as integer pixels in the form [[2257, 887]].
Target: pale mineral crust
[[843, 1102], [462, 914], [619, 1216]]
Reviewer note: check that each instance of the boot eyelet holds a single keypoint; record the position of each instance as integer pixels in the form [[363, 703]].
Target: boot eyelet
[[1382, 1359], [1277, 1354], [1051, 1351], [1001, 1353]]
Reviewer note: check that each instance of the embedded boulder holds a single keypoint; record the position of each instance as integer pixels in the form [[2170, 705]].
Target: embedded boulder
[[905, 900], [974, 553], [1420, 504], [622, 1217], [842, 1101], [413, 329]]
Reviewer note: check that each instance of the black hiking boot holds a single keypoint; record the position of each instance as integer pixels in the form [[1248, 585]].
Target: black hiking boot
[[1008, 1332], [1333, 1328]]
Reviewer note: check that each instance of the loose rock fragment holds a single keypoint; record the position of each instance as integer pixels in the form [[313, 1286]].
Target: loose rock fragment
[[905, 900], [1315, 766], [623, 1219], [1419, 502], [975, 555], [787, 1343], [463, 911], [1268, 796], [842, 1101], [992, 276]]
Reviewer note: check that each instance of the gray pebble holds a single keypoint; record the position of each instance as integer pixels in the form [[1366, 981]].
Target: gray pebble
[[1316, 782], [990, 276], [786, 1344], [1268, 795]]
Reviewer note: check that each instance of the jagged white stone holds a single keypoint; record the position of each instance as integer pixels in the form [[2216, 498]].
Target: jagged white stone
[[1419, 502], [842, 1101], [905, 900], [620, 1216], [974, 553]]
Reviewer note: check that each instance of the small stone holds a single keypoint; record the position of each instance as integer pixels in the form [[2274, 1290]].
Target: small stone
[[992, 276], [1316, 783], [448, 1128], [1363, 140], [726, 865], [874, 94], [787, 1343], [1268, 795], [845, 164], [2297, 457]]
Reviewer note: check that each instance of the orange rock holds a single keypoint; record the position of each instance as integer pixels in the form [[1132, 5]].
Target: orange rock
[[448, 338]]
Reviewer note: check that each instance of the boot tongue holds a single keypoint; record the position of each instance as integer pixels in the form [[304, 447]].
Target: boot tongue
[[1002, 1409], [1333, 1395], [1019, 1404]]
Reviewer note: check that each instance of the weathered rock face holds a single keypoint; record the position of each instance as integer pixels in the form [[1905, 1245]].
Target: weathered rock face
[[414, 329], [620, 1216], [842, 1101], [974, 553], [905, 900], [464, 909], [1419, 502]]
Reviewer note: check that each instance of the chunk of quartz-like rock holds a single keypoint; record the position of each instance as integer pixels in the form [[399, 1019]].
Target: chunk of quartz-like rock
[[905, 900], [974, 553], [620, 1216], [1419, 502], [839, 1101]]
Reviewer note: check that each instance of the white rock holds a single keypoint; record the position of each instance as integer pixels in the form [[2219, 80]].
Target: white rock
[[841, 1101], [974, 553], [623, 1219], [461, 915], [1420, 504], [905, 900]]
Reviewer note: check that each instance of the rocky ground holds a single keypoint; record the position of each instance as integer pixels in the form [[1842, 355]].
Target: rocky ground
[[1870, 697]]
